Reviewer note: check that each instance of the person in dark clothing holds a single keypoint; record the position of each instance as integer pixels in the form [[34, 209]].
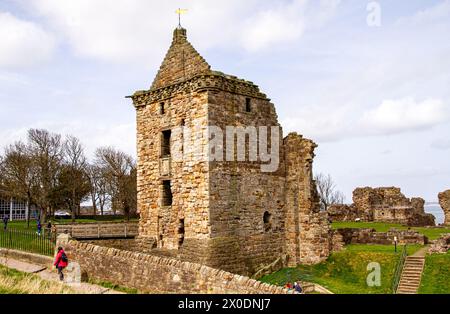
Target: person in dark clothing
[[5, 222], [61, 262], [39, 227], [297, 287]]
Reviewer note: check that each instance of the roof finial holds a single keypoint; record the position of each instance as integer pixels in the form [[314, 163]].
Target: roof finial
[[179, 12]]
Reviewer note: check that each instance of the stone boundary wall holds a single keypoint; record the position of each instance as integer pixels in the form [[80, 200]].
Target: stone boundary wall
[[157, 274], [99, 230], [441, 245], [370, 236]]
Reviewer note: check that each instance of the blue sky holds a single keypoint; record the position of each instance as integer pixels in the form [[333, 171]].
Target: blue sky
[[375, 99]]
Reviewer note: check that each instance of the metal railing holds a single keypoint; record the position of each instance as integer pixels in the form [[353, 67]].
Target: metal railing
[[399, 269], [28, 241]]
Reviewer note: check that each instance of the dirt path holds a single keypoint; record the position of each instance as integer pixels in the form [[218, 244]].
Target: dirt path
[[46, 274], [422, 252]]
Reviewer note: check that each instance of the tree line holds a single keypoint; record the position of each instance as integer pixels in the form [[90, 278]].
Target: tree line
[[52, 172]]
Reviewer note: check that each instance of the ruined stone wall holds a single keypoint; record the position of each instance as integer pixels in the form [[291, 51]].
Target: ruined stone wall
[[371, 236], [188, 177], [153, 274], [441, 245], [307, 228], [384, 205], [341, 212], [444, 201], [240, 193]]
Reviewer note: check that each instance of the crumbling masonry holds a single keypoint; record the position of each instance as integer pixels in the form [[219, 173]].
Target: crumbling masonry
[[229, 215], [385, 204], [444, 201]]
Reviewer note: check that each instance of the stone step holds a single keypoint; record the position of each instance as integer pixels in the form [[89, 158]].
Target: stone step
[[411, 275], [414, 284], [412, 270], [418, 269], [409, 281], [408, 288]]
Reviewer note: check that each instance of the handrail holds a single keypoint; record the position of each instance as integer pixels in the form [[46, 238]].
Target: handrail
[[398, 270]]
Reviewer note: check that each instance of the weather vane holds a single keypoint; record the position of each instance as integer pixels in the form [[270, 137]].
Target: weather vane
[[180, 12]]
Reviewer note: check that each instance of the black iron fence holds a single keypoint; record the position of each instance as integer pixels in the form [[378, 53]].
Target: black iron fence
[[399, 269], [28, 241]]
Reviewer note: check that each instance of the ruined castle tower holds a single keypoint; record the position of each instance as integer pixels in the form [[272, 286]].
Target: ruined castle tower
[[223, 213]]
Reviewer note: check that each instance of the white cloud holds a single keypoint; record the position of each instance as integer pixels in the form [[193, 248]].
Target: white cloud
[[430, 14], [121, 136], [397, 116], [137, 30], [23, 43], [442, 144], [285, 23], [328, 123]]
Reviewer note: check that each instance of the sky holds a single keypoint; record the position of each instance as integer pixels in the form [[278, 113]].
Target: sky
[[368, 81]]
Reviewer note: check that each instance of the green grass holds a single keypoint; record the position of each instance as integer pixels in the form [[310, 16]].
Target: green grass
[[345, 272], [26, 240], [436, 275], [410, 249], [431, 233], [109, 285], [16, 282]]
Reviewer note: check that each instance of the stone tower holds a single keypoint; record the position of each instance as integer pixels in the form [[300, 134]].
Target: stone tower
[[223, 213]]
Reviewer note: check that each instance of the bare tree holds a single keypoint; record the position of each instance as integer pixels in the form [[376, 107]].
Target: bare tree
[[73, 181], [328, 193], [120, 173], [98, 188], [46, 151], [19, 174]]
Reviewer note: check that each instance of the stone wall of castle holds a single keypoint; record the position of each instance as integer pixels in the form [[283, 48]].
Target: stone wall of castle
[[307, 228], [154, 274], [444, 201], [223, 213], [383, 205], [371, 236]]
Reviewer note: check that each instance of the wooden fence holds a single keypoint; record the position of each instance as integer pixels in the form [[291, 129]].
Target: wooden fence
[[99, 230]]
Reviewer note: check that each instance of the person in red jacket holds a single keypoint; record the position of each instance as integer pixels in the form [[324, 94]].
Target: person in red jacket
[[61, 262]]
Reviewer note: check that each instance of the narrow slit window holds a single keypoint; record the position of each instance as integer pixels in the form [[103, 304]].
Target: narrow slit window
[[165, 145], [181, 232], [162, 108], [248, 105], [167, 194]]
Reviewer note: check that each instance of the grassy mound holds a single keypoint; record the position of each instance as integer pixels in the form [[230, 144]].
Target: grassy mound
[[431, 233], [16, 282], [346, 272], [436, 275]]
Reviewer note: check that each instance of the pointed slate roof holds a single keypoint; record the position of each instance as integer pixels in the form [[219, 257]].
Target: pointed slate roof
[[181, 62]]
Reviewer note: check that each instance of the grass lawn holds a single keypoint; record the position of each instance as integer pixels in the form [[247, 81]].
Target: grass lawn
[[436, 275], [26, 240], [431, 233], [16, 282], [345, 272], [113, 286]]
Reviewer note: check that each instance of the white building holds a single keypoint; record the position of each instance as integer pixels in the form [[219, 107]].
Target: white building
[[15, 209]]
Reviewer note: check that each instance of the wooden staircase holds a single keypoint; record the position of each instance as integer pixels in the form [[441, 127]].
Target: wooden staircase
[[411, 275]]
